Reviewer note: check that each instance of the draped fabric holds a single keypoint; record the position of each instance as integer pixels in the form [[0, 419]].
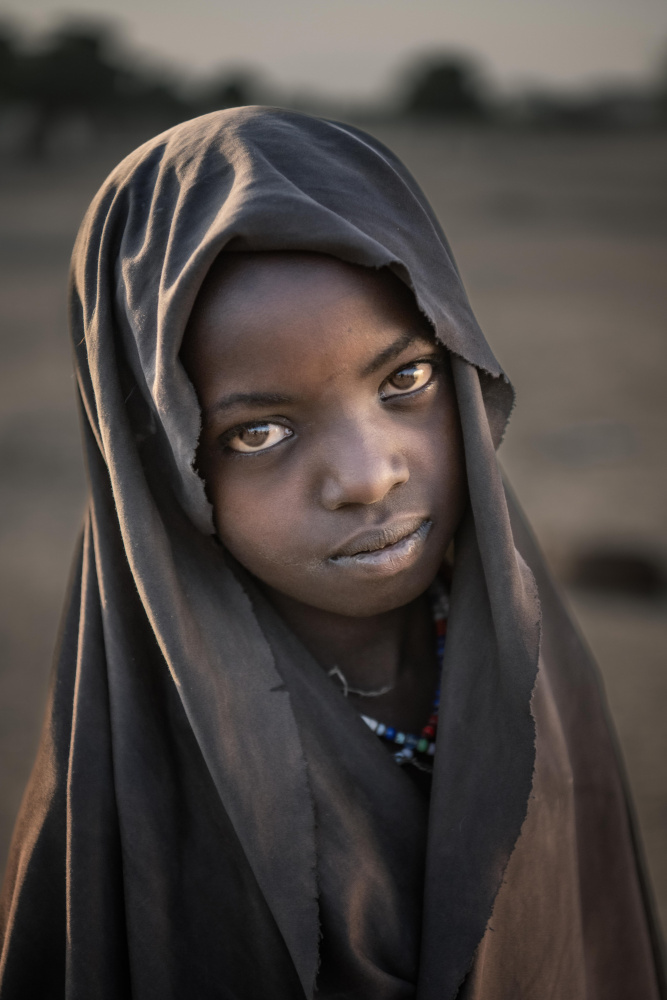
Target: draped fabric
[[207, 816]]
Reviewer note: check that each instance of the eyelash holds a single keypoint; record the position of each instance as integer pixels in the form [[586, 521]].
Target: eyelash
[[435, 361]]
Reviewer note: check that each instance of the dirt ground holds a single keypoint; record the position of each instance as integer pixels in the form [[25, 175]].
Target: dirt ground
[[561, 240]]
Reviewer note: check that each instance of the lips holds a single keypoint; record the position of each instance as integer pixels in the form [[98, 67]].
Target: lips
[[384, 542]]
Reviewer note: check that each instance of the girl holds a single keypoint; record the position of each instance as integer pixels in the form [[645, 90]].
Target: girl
[[263, 772]]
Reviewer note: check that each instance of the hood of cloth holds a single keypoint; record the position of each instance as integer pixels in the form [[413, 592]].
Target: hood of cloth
[[257, 179]]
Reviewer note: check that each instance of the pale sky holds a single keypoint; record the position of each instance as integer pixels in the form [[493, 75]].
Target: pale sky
[[354, 48]]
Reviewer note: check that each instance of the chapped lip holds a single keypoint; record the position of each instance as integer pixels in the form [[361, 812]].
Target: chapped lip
[[382, 538]]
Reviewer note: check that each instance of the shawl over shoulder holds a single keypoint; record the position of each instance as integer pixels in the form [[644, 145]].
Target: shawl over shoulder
[[192, 827]]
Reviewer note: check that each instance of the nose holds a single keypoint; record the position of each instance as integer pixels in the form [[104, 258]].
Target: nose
[[362, 464]]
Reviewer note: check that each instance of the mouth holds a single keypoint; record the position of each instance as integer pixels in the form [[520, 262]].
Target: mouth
[[387, 549]]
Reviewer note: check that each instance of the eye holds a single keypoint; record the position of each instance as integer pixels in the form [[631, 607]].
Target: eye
[[256, 437], [407, 379]]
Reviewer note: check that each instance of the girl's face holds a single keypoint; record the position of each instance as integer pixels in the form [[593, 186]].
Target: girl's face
[[330, 447]]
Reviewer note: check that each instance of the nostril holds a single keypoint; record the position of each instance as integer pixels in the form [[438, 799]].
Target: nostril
[[364, 482]]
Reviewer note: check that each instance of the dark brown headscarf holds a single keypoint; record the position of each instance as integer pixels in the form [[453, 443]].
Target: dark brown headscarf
[[208, 817]]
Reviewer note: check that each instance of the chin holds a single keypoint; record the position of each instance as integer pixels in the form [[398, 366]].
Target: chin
[[364, 599]]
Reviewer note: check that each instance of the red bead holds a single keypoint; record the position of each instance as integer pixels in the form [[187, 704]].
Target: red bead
[[428, 732]]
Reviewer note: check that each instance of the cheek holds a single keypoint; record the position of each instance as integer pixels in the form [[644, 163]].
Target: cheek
[[255, 519], [438, 459]]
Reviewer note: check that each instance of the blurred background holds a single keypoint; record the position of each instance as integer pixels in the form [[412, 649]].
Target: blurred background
[[539, 133]]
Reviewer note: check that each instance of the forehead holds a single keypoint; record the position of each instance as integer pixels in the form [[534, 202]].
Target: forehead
[[262, 314]]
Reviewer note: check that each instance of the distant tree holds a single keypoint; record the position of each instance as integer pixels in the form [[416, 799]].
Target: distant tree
[[232, 94], [71, 75], [230, 90], [446, 87], [661, 88], [9, 65], [80, 71], [73, 72], [151, 98]]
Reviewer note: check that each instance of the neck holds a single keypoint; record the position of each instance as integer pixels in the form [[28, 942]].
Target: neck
[[393, 653]]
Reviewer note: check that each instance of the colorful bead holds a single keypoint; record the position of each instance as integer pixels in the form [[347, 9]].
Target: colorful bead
[[409, 743]]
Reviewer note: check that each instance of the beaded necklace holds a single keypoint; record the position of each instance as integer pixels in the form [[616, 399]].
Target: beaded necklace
[[412, 748]]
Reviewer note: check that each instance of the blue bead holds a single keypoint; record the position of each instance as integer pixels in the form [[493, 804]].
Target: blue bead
[[381, 730], [390, 732]]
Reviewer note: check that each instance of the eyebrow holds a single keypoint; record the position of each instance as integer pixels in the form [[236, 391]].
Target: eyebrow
[[393, 350], [280, 399], [248, 399]]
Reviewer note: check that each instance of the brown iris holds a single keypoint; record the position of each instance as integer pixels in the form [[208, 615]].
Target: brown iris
[[257, 437], [408, 378]]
